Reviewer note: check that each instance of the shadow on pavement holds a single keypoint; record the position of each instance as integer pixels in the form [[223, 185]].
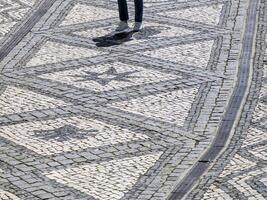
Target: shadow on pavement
[[112, 40]]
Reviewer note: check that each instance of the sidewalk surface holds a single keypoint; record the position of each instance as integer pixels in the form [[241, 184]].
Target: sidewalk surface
[[177, 111]]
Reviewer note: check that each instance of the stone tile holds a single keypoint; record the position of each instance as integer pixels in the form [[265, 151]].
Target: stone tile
[[81, 13], [53, 52], [216, 193], [105, 77], [80, 157], [12, 12], [4, 195], [67, 134], [196, 54], [172, 107], [106, 180], [17, 100], [204, 14], [150, 32], [236, 164]]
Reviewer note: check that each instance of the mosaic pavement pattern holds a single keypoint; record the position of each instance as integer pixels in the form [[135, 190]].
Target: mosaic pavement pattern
[[85, 119], [244, 175], [11, 13]]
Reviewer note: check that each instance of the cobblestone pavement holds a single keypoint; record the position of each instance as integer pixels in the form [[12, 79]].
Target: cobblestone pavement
[[83, 118], [12, 12]]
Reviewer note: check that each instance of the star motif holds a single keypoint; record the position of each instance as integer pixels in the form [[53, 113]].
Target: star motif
[[106, 77], [65, 133]]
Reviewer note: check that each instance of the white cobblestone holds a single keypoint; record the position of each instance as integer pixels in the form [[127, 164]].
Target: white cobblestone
[[107, 180]]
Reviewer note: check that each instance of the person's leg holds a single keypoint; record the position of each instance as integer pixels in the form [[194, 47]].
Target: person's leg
[[124, 16], [138, 10], [138, 15], [123, 10]]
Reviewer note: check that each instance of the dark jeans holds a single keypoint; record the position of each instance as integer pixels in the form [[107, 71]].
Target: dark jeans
[[123, 10]]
